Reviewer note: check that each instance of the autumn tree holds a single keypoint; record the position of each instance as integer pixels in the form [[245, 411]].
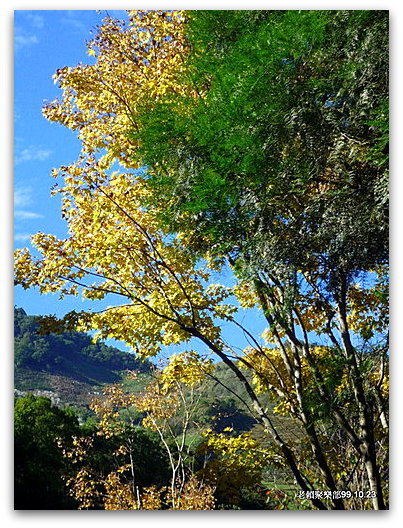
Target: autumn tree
[[110, 469], [240, 147], [166, 410]]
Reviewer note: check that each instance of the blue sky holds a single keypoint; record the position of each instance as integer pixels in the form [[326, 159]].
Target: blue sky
[[43, 42]]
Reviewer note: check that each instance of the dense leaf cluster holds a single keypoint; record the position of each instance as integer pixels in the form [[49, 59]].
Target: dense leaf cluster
[[38, 463], [283, 156]]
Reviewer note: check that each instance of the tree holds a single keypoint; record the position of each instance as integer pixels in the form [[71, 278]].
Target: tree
[[281, 166], [113, 469], [39, 465], [263, 153], [234, 464], [280, 158], [152, 464]]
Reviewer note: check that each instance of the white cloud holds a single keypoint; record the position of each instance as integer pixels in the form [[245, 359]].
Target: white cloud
[[31, 154], [37, 21], [25, 31], [22, 237], [26, 215], [23, 39], [22, 199], [73, 20], [22, 196]]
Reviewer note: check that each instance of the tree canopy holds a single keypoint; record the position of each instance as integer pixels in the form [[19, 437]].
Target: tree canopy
[[282, 157], [39, 465]]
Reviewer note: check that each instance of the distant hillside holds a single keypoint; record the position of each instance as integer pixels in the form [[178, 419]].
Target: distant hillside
[[70, 369], [69, 361]]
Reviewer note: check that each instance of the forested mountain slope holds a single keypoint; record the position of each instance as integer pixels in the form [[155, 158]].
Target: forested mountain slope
[[70, 369], [68, 364]]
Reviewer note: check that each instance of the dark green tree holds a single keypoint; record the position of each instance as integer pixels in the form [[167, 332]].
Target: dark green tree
[[147, 456], [38, 461], [40, 472], [283, 158]]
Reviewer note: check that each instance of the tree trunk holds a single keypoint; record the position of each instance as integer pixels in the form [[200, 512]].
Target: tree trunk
[[367, 445]]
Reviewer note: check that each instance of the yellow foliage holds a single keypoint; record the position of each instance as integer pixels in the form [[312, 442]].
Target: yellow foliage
[[313, 312], [120, 251], [270, 374], [195, 495], [246, 294], [157, 405], [113, 492], [271, 337], [151, 498], [118, 496], [115, 246], [237, 462], [368, 308], [84, 489], [187, 368], [146, 57]]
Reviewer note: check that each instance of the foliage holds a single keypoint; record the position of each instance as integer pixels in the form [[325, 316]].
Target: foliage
[[280, 164], [275, 161], [122, 483], [260, 153], [234, 463], [111, 471], [39, 465], [170, 407]]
